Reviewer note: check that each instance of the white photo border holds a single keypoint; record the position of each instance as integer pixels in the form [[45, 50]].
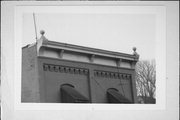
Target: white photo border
[[159, 11]]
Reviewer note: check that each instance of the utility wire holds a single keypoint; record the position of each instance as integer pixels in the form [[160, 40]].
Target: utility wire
[[121, 82], [102, 88]]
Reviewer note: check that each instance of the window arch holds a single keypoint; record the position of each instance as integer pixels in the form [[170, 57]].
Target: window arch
[[69, 94], [114, 96]]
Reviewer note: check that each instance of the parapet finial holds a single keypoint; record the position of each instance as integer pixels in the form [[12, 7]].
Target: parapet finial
[[43, 38], [135, 53], [134, 49], [42, 32]]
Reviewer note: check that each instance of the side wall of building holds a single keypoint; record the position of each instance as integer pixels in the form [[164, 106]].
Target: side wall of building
[[30, 83]]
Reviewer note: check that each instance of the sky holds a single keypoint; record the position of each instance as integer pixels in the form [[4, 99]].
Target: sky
[[114, 32]]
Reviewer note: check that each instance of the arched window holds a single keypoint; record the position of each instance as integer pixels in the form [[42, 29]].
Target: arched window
[[114, 96], [69, 94]]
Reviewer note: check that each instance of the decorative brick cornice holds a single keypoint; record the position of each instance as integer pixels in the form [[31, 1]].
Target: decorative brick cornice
[[112, 75], [64, 69]]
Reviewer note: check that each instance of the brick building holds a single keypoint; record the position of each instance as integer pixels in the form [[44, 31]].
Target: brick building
[[54, 72]]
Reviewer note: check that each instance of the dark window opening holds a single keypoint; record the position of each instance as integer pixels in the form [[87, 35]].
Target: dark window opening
[[114, 96], [69, 94]]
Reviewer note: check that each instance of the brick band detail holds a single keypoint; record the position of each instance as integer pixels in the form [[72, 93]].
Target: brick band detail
[[64, 69], [114, 75]]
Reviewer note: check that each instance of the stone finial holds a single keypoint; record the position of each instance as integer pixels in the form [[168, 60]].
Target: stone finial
[[134, 49], [135, 53], [42, 32], [43, 39]]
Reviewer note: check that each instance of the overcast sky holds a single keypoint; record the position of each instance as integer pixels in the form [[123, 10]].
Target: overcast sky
[[114, 32]]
